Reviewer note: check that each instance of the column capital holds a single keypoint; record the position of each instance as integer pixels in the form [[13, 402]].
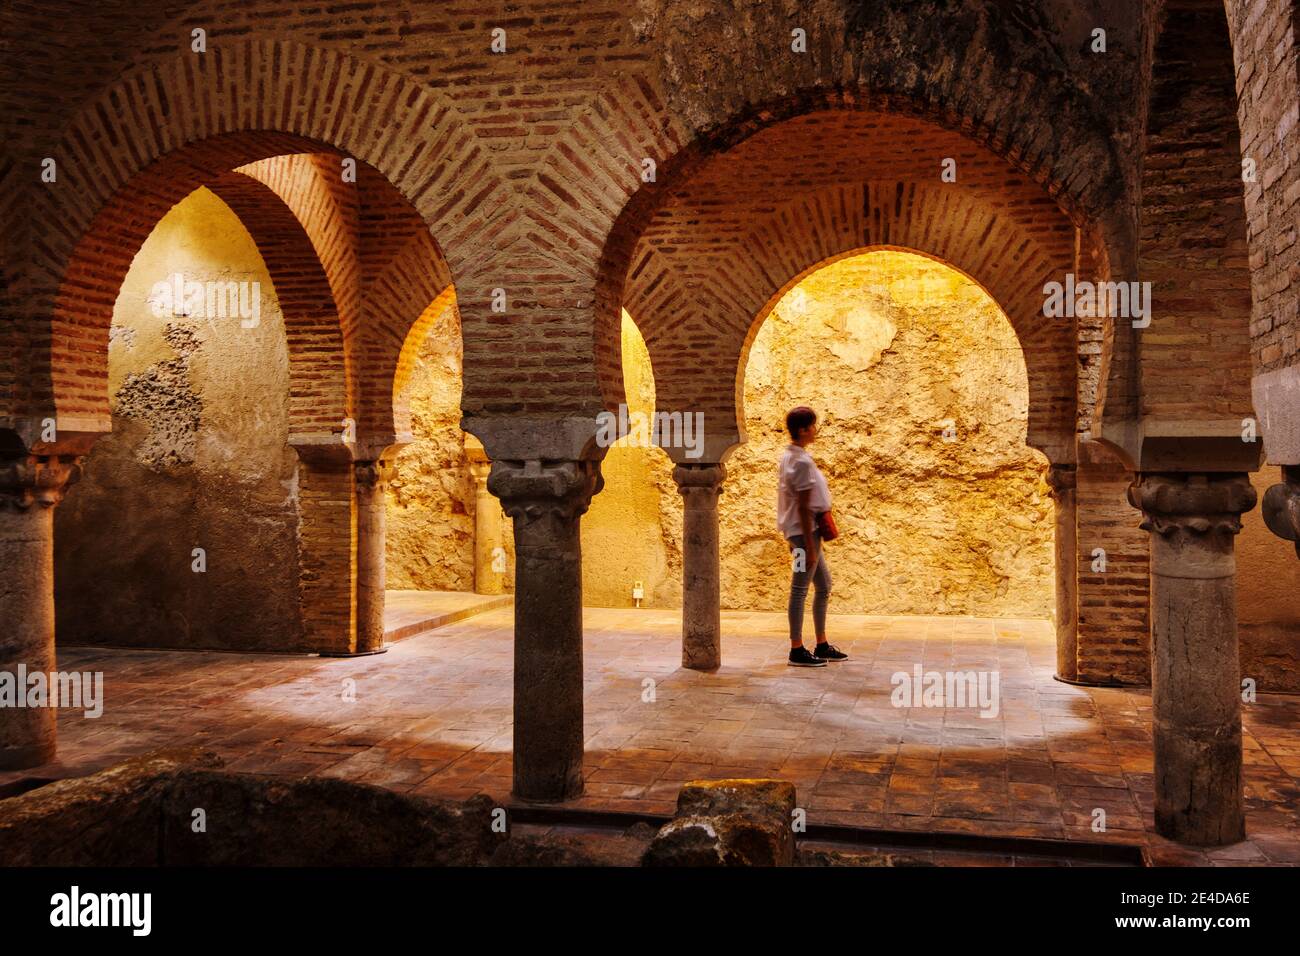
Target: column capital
[[533, 489], [1190, 503], [697, 479], [1061, 478], [480, 471], [40, 481], [375, 473], [1281, 506]]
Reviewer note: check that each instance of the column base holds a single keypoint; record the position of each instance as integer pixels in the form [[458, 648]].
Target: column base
[[542, 798], [1089, 683], [380, 650], [707, 662], [1199, 799]]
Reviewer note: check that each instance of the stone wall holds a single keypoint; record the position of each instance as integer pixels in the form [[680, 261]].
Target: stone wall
[[887, 347], [198, 458], [893, 349], [430, 540], [633, 531]]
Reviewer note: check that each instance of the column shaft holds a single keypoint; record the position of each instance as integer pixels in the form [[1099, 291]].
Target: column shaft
[[1062, 480], [487, 533], [371, 482], [1195, 674], [546, 501], [700, 486], [30, 487]]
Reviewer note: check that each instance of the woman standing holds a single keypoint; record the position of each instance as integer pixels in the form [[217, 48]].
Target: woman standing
[[803, 504]]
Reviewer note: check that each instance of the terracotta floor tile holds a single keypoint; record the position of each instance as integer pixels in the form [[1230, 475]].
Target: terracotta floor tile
[[434, 717]]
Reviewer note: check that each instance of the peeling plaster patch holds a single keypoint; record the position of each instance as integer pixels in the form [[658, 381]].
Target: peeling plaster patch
[[123, 335], [162, 398], [184, 339]]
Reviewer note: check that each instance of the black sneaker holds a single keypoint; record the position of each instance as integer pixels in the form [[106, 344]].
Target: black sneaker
[[829, 652], [799, 657]]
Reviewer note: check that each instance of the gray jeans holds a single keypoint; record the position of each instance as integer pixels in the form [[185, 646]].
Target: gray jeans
[[819, 575]]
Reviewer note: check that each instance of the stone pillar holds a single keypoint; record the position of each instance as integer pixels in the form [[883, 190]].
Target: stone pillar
[[546, 501], [30, 487], [1195, 676], [1062, 479], [700, 486], [371, 482], [487, 531]]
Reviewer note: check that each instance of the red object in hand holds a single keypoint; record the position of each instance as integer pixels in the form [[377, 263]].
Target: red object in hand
[[826, 529]]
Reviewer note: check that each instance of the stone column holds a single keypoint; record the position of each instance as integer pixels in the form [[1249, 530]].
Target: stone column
[[371, 482], [546, 501], [700, 486], [1195, 675], [1062, 479], [30, 487], [487, 531]]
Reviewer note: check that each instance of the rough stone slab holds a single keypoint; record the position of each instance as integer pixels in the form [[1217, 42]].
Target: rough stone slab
[[142, 813], [317, 821], [756, 796], [736, 822], [106, 819]]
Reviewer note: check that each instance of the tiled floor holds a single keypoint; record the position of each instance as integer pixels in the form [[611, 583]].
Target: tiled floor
[[433, 716]]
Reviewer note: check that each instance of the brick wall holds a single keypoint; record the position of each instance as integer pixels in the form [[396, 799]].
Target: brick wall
[[1264, 37], [1114, 585], [714, 262], [1192, 240], [526, 166]]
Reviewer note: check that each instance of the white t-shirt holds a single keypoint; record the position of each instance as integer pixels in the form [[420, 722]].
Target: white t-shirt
[[798, 472]]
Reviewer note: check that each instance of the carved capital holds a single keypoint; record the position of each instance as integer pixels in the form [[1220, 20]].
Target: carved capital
[[1195, 504], [537, 489], [1062, 479], [699, 479], [372, 475], [40, 481], [480, 471], [1282, 506]]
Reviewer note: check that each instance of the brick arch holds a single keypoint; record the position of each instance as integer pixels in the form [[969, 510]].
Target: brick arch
[[384, 269], [319, 397], [411, 349], [753, 219], [1050, 386], [407, 283], [1084, 179], [1010, 257], [172, 124]]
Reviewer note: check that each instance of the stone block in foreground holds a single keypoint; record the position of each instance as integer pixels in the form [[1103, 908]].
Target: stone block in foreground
[[180, 809], [728, 823]]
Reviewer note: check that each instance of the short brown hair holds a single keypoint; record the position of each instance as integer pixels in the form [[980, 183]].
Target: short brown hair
[[797, 419]]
